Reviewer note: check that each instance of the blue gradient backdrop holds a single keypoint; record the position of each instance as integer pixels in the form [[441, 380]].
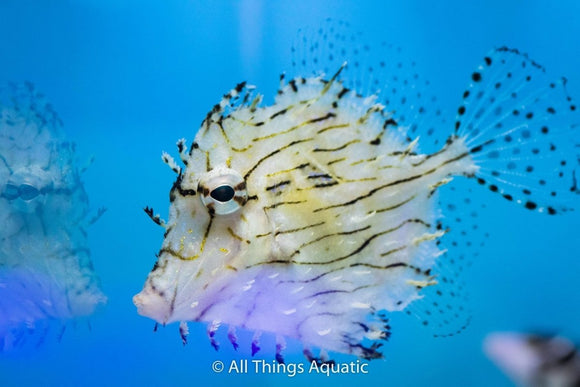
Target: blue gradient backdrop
[[129, 78]]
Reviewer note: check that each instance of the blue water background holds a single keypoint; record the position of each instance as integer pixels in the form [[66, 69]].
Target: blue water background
[[129, 78]]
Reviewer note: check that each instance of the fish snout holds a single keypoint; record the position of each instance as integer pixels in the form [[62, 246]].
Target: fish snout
[[153, 305]]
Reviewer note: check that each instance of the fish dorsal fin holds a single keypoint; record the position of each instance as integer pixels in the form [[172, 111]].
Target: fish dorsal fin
[[379, 69]]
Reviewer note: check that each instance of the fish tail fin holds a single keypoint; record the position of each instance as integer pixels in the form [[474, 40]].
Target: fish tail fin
[[521, 129]]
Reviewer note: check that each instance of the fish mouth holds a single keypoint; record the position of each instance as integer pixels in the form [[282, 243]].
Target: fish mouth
[[153, 305]]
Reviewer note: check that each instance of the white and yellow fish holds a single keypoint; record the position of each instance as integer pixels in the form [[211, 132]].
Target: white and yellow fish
[[313, 216]]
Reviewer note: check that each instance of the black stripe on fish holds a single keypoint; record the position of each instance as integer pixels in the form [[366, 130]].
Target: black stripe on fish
[[341, 147], [281, 184], [395, 206], [290, 231], [391, 184], [289, 145], [284, 203], [356, 251], [293, 128], [393, 265]]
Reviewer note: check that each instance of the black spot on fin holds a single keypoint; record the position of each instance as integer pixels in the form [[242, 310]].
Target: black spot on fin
[[522, 130]]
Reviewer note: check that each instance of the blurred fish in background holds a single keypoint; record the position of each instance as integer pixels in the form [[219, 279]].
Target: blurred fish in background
[[46, 273], [535, 360]]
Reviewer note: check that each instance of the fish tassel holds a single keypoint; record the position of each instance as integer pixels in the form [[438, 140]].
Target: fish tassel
[[211, 330], [280, 346], [256, 343], [183, 331], [233, 337]]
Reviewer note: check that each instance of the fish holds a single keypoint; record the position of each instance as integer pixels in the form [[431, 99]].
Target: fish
[[47, 278], [318, 216], [535, 359]]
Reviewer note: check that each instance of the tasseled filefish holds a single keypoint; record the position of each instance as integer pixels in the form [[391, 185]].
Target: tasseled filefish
[[313, 216]]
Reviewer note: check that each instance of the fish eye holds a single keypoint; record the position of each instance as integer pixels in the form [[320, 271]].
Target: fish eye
[[28, 192], [10, 192], [222, 191]]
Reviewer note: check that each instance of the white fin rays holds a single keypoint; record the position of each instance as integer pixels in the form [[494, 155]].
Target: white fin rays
[[522, 129]]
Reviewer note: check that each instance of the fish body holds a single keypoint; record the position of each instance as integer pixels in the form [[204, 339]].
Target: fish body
[[298, 241], [312, 217]]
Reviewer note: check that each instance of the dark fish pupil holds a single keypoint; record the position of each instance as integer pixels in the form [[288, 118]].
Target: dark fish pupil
[[28, 192], [223, 193]]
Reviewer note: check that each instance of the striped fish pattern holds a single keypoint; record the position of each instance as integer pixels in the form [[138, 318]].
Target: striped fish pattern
[[315, 216]]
